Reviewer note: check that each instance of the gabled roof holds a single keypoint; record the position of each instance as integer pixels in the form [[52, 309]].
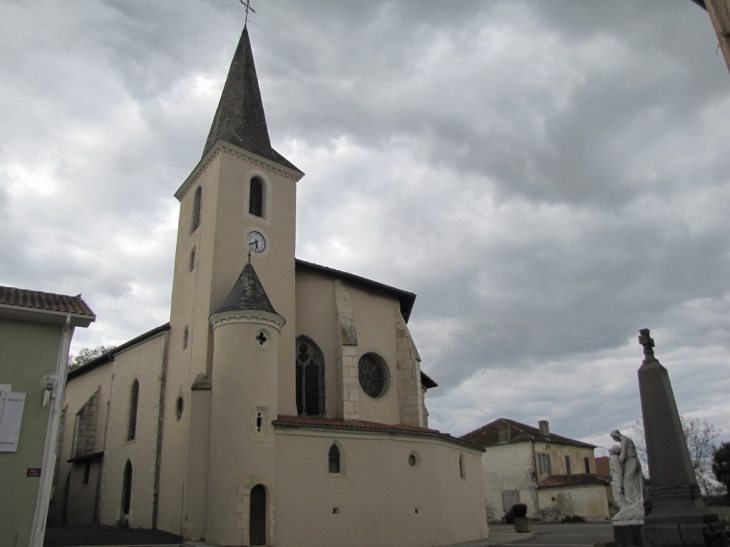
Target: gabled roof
[[43, 306], [488, 435], [239, 118], [247, 294], [579, 479], [407, 299]]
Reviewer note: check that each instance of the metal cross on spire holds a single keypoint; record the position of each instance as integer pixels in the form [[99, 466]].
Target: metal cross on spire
[[247, 3]]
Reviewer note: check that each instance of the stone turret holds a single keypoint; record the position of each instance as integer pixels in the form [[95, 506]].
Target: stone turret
[[246, 331]]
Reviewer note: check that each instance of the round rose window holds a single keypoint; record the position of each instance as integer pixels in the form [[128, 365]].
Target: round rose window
[[373, 375]]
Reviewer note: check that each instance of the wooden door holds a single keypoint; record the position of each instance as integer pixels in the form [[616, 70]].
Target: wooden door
[[258, 515]]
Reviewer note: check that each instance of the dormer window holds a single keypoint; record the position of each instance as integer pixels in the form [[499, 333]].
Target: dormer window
[[503, 433]]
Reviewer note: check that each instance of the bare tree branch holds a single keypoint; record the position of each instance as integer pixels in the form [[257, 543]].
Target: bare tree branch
[[701, 437]]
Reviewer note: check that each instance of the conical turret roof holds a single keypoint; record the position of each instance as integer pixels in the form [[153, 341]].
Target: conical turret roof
[[240, 117], [247, 294]]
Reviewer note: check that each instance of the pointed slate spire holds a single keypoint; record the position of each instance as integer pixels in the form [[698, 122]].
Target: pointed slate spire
[[240, 117], [247, 294]]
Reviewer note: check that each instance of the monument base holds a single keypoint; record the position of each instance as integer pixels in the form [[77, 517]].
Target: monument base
[[682, 531], [627, 533]]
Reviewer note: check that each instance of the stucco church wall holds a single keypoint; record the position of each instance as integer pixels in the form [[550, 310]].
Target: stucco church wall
[[589, 502], [509, 467], [376, 332], [275, 266], [316, 320], [70, 478], [144, 363], [375, 321], [190, 306], [377, 498]]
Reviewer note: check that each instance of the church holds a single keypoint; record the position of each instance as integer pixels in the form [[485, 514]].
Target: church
[[283, 404]]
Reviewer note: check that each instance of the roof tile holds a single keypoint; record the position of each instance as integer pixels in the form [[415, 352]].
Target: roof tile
[[37, 300], [488, 435]]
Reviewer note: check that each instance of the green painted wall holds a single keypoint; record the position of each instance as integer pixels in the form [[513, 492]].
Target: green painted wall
[[28, 350]]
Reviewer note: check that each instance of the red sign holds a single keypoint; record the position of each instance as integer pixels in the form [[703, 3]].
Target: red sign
[[33, 472]]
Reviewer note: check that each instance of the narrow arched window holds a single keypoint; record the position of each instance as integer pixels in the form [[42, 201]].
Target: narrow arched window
[[256, 197], [195, 218], [334, 459], [133, 401], [127, 489], [310, 378]]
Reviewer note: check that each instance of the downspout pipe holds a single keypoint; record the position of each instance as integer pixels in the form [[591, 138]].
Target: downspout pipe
[[38, 531]]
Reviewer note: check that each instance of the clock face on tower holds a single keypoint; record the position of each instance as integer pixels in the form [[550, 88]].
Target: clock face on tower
[[256, 241]]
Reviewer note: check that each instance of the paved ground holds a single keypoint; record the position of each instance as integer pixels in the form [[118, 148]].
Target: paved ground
[[543, 535], [580, 534], [75, 536]]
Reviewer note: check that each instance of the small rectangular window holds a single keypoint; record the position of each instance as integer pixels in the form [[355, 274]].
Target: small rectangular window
[[87, 471], [191, 265], [568, 468], [587, 464], [10, 420], [545, 464], [509, 498], [503, 433], [261, 421]]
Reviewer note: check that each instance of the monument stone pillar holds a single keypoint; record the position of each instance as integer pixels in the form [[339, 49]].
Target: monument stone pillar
[[678, 516]]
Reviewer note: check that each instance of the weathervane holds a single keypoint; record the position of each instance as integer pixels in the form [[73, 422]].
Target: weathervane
[[247, 3]]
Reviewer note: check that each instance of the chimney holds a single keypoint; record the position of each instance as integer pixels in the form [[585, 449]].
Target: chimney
[[544, 428]]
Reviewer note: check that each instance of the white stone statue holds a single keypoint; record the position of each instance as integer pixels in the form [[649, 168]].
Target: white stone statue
[[631, 482], [617, 476]]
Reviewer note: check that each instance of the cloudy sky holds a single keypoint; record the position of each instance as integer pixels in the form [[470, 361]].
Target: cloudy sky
[[548, 177]]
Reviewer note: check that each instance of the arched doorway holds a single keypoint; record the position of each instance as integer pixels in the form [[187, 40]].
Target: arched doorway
[[258, 515], [126, 492]]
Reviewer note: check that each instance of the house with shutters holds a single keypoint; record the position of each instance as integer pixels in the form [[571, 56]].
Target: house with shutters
[[554, 476], [283, 403], [35, 333]]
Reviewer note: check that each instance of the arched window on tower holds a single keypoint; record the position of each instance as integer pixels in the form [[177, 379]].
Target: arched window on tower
[[256, 197], [133, 401], [334, 459], [195, 218], [310, 378]]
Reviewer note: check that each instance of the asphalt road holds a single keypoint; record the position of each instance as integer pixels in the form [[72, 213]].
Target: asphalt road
[[579, 534], [547, 535]]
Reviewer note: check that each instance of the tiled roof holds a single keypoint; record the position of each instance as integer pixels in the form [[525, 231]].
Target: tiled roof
[[488, 435], [359, 425], [43, 301], [580, 479], [247, 294]]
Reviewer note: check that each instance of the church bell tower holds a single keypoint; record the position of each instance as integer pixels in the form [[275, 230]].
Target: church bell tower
[[239, 199]]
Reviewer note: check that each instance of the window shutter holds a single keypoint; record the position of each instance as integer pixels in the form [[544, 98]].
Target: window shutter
[[10, 421]]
